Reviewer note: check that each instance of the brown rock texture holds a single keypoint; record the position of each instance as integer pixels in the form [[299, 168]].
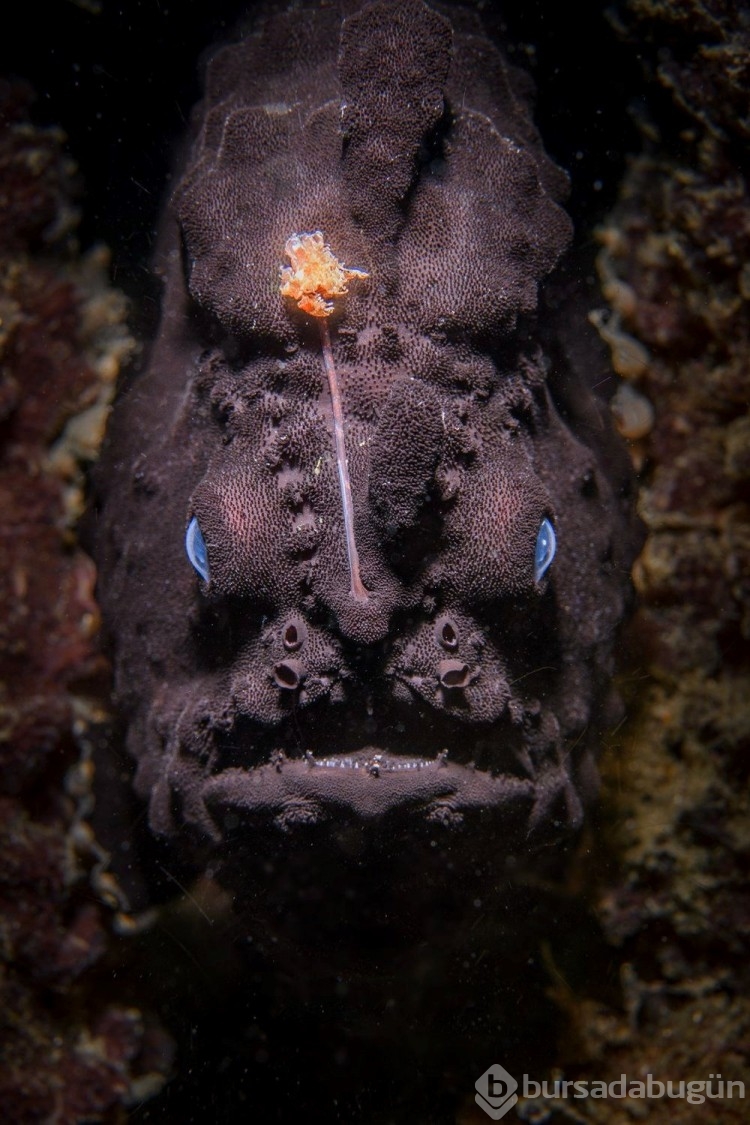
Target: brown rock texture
[[671, 888], [67, 1052]]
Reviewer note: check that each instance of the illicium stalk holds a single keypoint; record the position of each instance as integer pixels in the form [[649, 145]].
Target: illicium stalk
[[313, 280]]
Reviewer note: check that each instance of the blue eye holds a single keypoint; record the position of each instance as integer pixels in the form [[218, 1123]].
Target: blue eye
[[195, 545], [544, 552]]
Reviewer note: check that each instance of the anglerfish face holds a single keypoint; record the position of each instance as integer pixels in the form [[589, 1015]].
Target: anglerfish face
[[466, 673], [358, 561]]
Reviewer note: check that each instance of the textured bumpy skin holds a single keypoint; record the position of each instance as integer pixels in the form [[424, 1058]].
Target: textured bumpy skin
[[461, 689]]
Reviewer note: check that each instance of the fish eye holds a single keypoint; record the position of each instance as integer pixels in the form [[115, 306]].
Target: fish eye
[[544, 552], [195, 546]]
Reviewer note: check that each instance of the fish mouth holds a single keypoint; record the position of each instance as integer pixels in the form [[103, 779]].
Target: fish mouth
[[374, 782], [344, 765]]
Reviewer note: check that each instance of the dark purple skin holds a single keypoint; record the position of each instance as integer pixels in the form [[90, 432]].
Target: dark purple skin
[[462, 691]]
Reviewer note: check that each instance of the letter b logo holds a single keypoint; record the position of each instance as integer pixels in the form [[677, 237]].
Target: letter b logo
[[496, 1091]]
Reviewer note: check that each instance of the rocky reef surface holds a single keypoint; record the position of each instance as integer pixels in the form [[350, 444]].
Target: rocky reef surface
[[71, 1050], [669, 866]]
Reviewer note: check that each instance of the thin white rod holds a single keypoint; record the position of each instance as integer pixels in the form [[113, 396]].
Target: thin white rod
[[357, 587]]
